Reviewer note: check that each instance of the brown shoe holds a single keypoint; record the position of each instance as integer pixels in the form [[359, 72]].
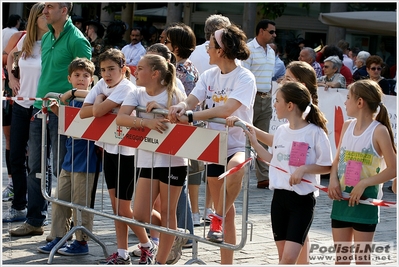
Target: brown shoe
[[26, 229], [263, 184]]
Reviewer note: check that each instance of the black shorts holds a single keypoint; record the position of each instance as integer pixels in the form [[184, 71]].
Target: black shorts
[[291, 215], [361, 227], [214, 170], [177, 175], [125, 183]]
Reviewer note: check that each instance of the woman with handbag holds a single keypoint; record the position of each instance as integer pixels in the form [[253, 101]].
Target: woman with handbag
[[30, 71]]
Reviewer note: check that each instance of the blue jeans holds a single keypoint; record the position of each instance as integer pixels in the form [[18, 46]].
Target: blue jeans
[[20, 122], [182, 211], [37, 205]]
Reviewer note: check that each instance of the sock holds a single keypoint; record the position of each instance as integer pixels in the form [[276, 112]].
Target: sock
[[123, 253], [83, 242], [146, 245], [155, 240], [218, 216]]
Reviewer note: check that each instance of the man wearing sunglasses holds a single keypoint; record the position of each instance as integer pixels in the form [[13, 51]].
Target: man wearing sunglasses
[[261, 64]]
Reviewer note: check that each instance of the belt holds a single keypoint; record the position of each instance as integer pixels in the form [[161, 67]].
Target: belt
[[264, 95]]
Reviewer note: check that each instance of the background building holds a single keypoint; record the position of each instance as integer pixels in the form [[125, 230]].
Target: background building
[[294, 20]]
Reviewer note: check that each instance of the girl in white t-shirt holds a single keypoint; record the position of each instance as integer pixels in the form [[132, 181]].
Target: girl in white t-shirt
[[300, 149], [159, 173], [228, 90], [107, 96]]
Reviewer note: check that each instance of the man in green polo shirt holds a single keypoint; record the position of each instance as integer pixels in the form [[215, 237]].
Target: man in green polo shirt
[[63, 43]]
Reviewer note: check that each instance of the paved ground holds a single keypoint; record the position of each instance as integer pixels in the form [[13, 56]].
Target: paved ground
[[258, 250]]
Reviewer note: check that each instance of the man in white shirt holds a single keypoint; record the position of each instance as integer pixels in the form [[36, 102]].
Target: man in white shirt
[[261, 64], [12, 26], [135, 50], [199, 57]]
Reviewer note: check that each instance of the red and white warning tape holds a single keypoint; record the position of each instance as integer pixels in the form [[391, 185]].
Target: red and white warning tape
[[345, 195], [235, 169], [13, 98]]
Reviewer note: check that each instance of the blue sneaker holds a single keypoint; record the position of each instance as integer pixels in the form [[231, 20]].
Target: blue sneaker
[[76, 248], [47, 248]]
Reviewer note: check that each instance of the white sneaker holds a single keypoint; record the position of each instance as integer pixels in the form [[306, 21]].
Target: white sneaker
[[196, 219], [13, 215], [208, 212]]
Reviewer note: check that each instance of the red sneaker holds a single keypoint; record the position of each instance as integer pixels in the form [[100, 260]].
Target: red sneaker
[[215, 233]]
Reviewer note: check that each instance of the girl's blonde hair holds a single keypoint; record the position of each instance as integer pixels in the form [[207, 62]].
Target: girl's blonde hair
[[116, 56], [31, 29], [371, 93], [167, 76]]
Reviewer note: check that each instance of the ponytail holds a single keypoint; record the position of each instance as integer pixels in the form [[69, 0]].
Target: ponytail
[[383, 118], [317, 117]]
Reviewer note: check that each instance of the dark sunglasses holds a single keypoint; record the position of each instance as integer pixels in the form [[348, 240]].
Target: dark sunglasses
[[375, 68], [271, 32]]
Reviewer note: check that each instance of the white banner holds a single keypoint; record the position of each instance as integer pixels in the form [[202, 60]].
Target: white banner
[[331, 103]]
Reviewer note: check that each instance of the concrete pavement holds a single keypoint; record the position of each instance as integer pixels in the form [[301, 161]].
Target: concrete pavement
[[260, 250]]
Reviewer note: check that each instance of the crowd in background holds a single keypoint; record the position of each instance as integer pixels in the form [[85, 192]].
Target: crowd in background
[[178, 73]]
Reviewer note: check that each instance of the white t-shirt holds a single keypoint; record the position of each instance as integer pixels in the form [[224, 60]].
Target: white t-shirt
[[30, 71], [215, 88], [319, 152], [116, 94], [6, 34], [145, 159]]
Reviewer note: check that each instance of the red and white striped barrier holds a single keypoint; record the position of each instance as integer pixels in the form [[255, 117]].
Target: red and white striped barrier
[[178, 140], [345, 195]]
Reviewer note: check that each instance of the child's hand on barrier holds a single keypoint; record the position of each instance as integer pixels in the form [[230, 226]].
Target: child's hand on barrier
[[176, 113], [65, 97], [155, 124], [250, 132], [153, 104]]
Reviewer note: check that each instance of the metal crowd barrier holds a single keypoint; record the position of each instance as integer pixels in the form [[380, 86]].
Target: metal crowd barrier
[[105, 130]]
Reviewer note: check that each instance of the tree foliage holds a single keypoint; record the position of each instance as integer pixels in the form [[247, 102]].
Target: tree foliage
[[272, 11], [114, 7]]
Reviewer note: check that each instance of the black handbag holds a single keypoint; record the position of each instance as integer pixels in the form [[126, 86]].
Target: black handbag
[[15, 70]]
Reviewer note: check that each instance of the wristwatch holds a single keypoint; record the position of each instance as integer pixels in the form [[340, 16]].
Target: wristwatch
[[190, 116], [73, 93]]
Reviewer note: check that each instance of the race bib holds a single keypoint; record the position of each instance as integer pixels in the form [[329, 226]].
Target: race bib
[[352, 172], [298, 154]]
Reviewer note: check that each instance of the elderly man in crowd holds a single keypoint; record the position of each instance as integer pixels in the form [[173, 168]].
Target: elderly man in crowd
[[308, 55]]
